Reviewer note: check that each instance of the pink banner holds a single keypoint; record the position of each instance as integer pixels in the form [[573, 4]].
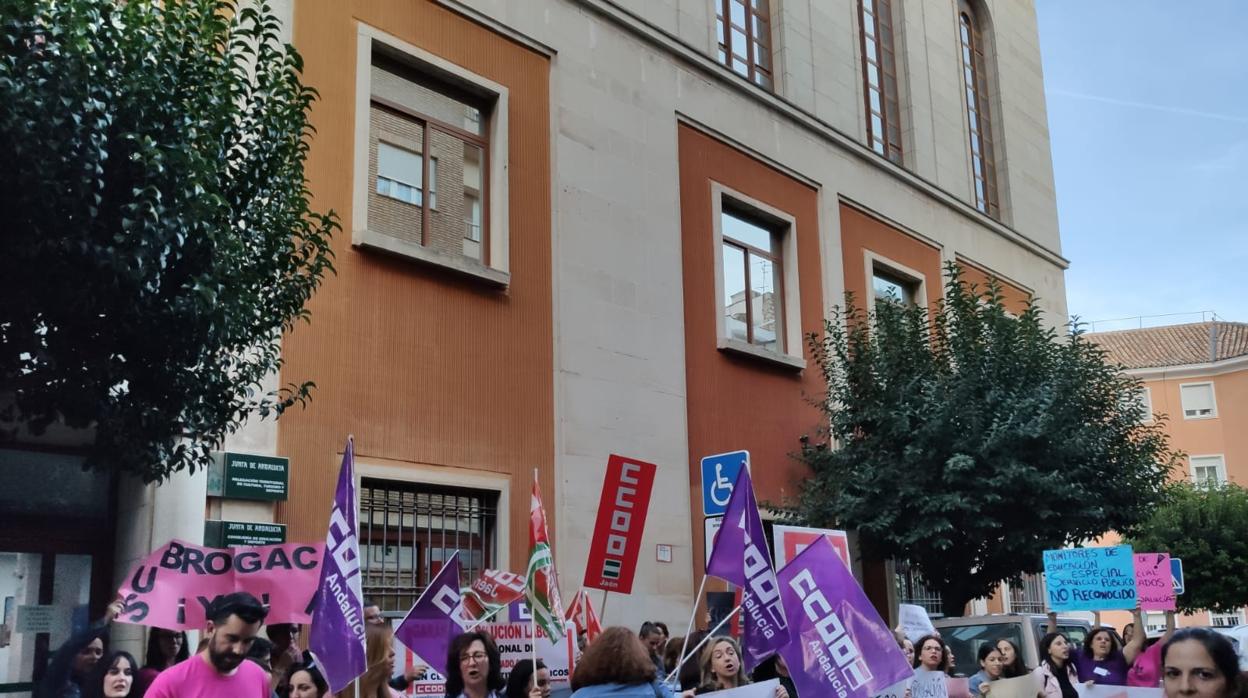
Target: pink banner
[[173, 586], [1154, 589]]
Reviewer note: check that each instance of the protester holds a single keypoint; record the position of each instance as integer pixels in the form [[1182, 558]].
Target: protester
[[582, 639], [379, 655], [1128, 631], [1012, 665], [1101, 660], [667, 635], [1201, 663], [907, 648], [951, 662], [654, 638], [618, 665], [261, 654], [473, 667], [286, 652], [113, 677], [690, 674], [671, 654], [304, 681], [1056, 672], [220, 670], [521, 683], [372, 613], [372, 616], [990, 668], [722, 669], [931, 653], [73, 661], [1146, 669], [775, 667], [164, 649]]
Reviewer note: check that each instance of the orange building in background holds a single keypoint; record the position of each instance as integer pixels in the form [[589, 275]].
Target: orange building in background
[[1195, 379]]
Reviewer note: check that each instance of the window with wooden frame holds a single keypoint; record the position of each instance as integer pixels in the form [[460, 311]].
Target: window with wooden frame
[[879, 77], [744, 31], [978, 111], [753, 290], [428, 162]]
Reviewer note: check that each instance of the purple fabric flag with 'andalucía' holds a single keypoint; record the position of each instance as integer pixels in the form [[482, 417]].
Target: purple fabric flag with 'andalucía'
[[433, 621], [841, 647], [740, 556], [337, 635]]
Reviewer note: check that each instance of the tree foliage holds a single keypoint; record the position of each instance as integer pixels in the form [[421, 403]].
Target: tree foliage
[[1206, 526], [969, 441], [158, 237]]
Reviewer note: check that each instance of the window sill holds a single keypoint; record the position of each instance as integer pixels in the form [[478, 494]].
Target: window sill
[[1198, 418], [465, 266], [736, 346]]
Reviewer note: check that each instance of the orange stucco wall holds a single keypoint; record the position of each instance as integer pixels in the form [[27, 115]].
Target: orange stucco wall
[[422, 366]]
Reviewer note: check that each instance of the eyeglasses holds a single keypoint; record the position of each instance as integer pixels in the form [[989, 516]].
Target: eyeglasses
[[474, 657]]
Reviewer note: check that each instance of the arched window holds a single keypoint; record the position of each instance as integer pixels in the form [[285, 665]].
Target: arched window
[[978, 112], [879, 77]]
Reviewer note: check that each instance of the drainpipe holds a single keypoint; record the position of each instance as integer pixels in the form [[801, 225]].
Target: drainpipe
[[1213, 342]]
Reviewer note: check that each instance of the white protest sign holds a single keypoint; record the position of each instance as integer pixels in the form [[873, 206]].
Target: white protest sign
[[762, 689], [1101, 691], [898, 690], [1025, 686], [914, 621], [929, 684], [1097, 690]]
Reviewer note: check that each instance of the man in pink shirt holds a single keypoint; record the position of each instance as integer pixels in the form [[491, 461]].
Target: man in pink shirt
[[219, 671]]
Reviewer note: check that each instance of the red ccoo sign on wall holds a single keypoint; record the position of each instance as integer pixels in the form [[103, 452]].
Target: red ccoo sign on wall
[[621, 520]]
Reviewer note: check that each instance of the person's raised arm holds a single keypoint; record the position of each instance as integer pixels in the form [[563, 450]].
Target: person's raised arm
[[1136, 645]]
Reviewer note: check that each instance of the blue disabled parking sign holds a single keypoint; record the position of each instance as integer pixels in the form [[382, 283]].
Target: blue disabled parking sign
[[719, 474]]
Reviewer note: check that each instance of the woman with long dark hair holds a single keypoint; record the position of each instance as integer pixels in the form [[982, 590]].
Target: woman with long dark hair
[[473, 667], [931, 653], [112, 677], [304, 681], [1200, 663], [1056, 672], [524, 682], [990, 667], [1101, 659], [164, 649], [1012, 665]]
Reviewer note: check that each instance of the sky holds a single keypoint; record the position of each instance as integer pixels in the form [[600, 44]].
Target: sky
[[1148, 118]]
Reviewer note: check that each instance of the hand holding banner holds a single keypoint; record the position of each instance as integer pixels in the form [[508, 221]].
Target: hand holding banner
[[1025, 686], [914, 621], [1154, 587], [929, 684], [841, 647], [1090, 579]]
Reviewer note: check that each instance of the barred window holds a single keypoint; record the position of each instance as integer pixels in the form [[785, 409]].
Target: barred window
[[979, 117], [879, 76], [409, 530], [912, 589]]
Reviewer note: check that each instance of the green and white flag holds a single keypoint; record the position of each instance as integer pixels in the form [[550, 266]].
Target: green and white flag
[[541, 588]]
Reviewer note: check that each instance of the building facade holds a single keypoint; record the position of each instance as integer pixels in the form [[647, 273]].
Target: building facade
[[1195, 378], [581, 227]]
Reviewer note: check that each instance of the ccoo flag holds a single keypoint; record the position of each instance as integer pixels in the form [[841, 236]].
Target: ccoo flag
[[740, 556], [433, 621], [337, 635], [541, 587]]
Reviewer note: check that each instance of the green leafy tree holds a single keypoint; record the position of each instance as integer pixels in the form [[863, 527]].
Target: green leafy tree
[[157, 233], [1206, 526], [969, 441]]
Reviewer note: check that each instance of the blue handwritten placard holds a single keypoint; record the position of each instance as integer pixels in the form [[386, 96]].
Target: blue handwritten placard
[[1090, 579]]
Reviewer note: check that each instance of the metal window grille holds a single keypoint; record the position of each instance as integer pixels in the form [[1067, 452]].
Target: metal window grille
[[408, 530], [1028, 595], [1225, 620], [913, 590]]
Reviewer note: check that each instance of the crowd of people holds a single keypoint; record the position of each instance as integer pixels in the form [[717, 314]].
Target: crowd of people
[[233, 660]]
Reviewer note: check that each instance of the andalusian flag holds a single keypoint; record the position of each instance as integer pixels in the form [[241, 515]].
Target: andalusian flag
[[541, 588]]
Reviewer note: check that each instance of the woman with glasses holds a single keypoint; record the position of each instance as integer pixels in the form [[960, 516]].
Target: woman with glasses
[[524, 683], [473, 669]]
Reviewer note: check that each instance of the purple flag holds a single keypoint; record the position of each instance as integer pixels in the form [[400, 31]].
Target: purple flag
[[740, 557], [841, 647], [433, 621], [337, 636]]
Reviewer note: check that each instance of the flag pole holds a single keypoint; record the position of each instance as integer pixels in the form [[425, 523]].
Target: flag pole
[[602, 615], [532, 614], [684, 658], [689, 629]]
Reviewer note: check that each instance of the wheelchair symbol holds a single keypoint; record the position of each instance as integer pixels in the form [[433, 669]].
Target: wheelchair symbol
[[721, 489]]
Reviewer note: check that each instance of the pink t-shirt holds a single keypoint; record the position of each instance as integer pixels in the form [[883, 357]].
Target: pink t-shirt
[[1146, 671], [196, 678]]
